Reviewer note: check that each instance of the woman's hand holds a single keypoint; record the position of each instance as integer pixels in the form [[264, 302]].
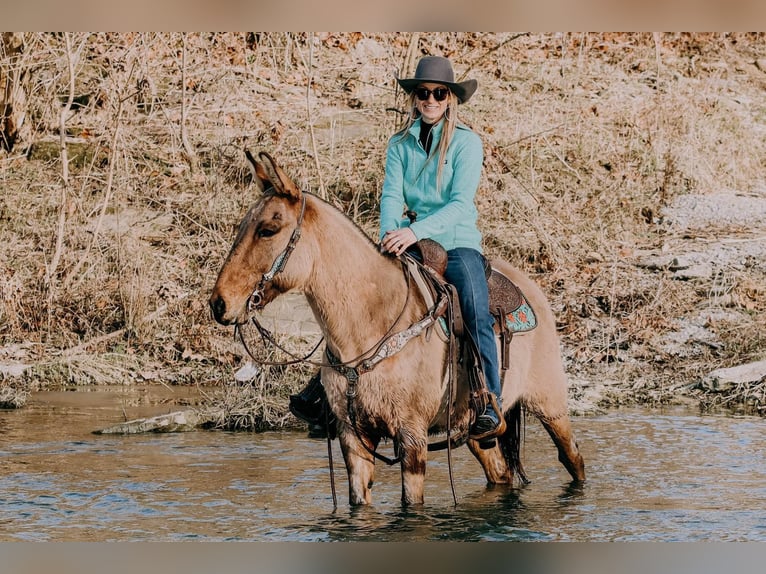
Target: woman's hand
[[397, 241]]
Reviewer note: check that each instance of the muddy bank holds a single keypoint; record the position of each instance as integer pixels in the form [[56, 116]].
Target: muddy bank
[[714, 246]]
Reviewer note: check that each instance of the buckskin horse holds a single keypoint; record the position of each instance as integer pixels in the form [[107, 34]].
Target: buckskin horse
[[293, 240]]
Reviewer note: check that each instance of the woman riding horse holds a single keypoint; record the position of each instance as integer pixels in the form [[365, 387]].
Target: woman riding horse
[[433, 168], [384, 376]]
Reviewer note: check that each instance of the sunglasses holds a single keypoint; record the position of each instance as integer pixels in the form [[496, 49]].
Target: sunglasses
[[440, 94]]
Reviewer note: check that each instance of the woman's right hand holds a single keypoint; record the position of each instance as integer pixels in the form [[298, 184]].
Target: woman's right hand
[[397, 241]]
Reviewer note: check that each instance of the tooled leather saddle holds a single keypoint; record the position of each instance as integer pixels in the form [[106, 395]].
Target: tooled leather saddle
[[427, 263]]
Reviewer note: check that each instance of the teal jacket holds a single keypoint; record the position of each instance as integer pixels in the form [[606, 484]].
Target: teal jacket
[[447, 215]]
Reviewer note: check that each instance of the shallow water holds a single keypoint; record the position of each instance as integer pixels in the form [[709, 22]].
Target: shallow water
[[652, 475]]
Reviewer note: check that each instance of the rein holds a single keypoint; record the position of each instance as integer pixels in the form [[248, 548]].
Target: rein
[[388, 345], [382, 348]]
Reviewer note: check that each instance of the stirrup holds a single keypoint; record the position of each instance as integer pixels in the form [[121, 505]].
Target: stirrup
[[498, 430]]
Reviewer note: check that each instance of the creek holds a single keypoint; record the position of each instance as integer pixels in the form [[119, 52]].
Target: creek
[[653, 475]]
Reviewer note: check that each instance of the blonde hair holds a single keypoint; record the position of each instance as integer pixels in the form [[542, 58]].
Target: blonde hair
[[450, 120]]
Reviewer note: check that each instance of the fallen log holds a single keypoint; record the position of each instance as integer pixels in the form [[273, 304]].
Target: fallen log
[[179, 421]]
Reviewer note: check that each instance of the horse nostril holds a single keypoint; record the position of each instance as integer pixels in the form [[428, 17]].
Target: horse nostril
[[218, 306]]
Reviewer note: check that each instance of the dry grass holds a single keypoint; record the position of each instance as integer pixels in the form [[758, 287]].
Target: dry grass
[[12, 396], [745, 398], [587, 137]]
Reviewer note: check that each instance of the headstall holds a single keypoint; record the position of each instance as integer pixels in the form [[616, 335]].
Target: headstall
[[255, 301]]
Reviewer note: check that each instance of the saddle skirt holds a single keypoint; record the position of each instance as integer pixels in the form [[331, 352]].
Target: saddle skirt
[[512, 313]]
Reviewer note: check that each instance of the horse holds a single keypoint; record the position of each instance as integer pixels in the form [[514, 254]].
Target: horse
[[291, 240]]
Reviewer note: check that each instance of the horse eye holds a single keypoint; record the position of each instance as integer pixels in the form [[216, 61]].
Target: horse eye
[[263, 232]]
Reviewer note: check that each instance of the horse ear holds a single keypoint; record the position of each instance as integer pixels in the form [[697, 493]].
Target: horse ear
[[260, 176], [279, 179]]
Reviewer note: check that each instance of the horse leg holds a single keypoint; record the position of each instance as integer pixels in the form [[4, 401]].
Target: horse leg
[[502, 462], [560, 430], [414, 454], [360, 466], [493, 462]]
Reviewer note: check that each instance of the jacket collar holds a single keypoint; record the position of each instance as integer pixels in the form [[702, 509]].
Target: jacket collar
[[436, 130]]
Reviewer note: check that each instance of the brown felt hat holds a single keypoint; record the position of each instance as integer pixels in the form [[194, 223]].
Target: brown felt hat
[[438, 70]]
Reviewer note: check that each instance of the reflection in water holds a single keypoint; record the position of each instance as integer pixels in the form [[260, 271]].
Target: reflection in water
[[651, 476]]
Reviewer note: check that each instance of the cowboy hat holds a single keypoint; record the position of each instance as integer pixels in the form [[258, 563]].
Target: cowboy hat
[[438, 70]]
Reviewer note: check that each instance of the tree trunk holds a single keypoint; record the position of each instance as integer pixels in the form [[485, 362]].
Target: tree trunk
[[13, 93]]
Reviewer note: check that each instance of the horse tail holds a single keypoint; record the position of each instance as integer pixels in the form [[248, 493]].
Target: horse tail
[[512, 439]]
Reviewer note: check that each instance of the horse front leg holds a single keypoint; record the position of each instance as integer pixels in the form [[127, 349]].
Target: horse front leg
[[360, 466], [414, 452]]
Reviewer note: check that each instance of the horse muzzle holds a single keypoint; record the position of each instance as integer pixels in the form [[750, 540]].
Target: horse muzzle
[[226, 314], [218, 308]]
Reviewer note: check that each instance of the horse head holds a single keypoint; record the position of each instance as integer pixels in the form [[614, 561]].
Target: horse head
[[259, 266]]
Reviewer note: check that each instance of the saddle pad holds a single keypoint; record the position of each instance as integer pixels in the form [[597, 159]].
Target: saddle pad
[[522, 319], [506, 299]]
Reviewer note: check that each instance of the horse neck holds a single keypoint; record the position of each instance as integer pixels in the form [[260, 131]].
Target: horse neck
[[356, 293]]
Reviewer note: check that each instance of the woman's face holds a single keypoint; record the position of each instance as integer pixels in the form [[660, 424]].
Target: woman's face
[[430, 109]]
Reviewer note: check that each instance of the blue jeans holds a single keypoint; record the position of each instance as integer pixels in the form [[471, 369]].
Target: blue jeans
[[465, 270]]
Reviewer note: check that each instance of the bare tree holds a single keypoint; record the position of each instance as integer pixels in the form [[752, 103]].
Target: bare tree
[[73, 57], [13, 93]]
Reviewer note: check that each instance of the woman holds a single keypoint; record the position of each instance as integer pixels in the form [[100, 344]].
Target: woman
[[433, 168]]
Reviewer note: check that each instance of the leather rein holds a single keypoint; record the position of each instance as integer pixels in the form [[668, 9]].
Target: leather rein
[[389, 344]]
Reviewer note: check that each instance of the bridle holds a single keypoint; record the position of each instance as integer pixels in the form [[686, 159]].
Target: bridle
[[255, 301]]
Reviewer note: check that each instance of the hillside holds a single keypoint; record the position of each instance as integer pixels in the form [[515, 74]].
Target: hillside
[[625, 172]]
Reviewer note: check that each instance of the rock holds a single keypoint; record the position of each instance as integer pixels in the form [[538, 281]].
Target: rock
[[13, 370], [726, 379], [654, 262], [684, 266], [720, 209], [695, 333], [179, 421], [700, 271]]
